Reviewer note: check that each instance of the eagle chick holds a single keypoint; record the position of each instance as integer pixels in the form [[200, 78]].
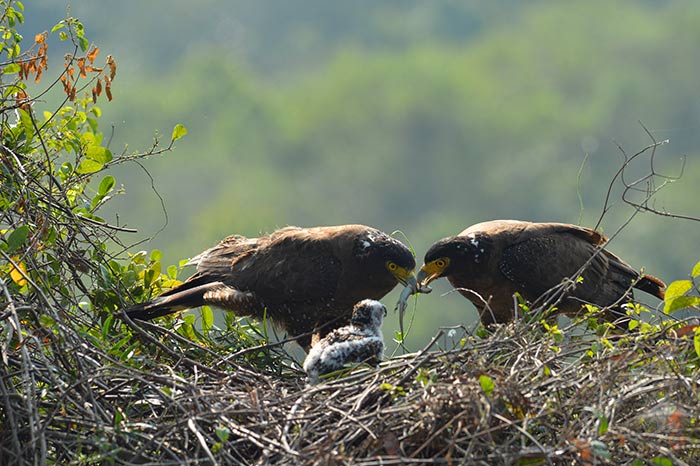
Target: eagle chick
[[360, 341]]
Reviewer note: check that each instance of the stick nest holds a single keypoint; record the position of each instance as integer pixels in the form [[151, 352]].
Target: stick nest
[[515, 396]]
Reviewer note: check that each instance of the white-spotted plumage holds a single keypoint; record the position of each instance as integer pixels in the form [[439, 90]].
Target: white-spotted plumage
[[361, 341]]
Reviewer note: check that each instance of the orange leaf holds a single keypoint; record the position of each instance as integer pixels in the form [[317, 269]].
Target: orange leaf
[[23, 100], [92, 54], [108, 88], [675, 420], [40, 38], [81, 66], [98, 87], [584, 450], [112, 67]]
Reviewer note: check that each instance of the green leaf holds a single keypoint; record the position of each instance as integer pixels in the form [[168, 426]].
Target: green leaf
[[118, 417], [148, 277], [88, 166], [27, 125], [172, 271], [60, 25], [84, 43], [12, 68], [531, 460], [207, 318], [106, 185], [487, 384], [107, 326], [187, 328], [680, 302], [223, 433], [696, 271], [17, 238], [139, 257], [156, 255], [178, 132], [678, 288], [602, 424], [661, 461], [696, 342], [98, 153], [46, 321]]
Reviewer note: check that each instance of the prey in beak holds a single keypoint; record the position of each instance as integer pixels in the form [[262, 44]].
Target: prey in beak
[[411, 286]]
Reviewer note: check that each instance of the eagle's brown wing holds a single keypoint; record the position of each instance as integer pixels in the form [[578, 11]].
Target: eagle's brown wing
[[250, 276], [550, 253], [290, 267]]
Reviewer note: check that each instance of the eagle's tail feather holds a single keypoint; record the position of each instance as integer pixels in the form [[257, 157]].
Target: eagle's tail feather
[[187, 295]]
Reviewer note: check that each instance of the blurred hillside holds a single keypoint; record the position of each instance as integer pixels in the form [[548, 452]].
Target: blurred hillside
[[406, 115]]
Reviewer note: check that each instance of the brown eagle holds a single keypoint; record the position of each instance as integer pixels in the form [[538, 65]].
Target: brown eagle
[[489, 262], [303, 279]]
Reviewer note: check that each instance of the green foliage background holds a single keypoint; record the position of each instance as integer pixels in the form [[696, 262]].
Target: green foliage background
[[423, 117]]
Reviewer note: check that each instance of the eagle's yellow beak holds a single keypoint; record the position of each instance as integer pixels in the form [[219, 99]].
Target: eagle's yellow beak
[[402, 274], [431, 271]]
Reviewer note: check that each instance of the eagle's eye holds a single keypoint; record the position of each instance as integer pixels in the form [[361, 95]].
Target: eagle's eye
[[441, 263], [391, 266]]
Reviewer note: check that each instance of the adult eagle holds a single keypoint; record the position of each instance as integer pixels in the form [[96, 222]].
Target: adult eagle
[[302, 279], [489, 262]]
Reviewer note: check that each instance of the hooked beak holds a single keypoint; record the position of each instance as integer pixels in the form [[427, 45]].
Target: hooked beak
[[427, 274], [405, 277]]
